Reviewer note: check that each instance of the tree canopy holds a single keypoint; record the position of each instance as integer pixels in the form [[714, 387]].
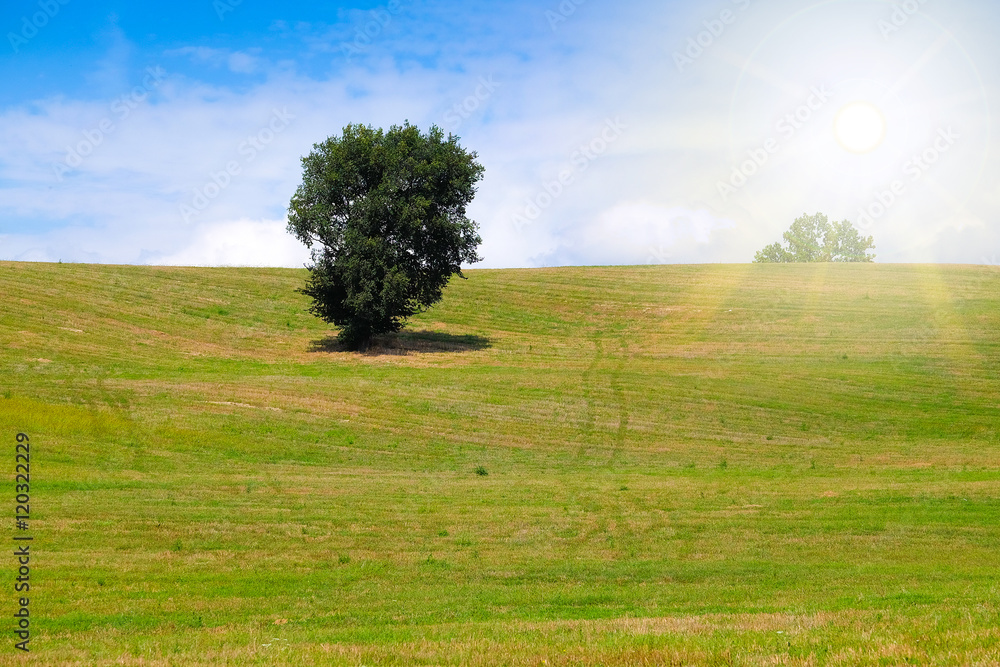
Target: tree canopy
[[385, 216], [812, 238]]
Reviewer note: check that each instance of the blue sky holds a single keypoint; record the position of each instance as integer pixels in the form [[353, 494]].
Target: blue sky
[[611, 133]]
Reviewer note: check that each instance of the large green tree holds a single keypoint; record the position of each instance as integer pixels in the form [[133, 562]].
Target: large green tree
[[812, 238], [385, 216]]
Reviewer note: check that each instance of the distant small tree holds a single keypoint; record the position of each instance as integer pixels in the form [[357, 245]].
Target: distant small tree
[[812, 238], [384, 214], [843, 243], [773, 253]]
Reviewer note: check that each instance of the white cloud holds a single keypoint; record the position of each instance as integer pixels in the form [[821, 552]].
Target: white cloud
[[640, 232], [240, 62], [243, 63], [238, 243]]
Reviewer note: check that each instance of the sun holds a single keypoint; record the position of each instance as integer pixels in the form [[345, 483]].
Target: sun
[[859, 127]]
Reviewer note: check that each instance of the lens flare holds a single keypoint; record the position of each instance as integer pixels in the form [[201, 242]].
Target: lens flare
[[859, 127]]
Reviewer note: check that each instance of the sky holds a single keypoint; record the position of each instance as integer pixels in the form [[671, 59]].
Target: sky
[[627, 132]]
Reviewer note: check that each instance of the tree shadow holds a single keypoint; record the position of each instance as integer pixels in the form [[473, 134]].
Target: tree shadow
[[406, 342]]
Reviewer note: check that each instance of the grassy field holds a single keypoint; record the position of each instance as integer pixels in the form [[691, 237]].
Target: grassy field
[[729, 465]]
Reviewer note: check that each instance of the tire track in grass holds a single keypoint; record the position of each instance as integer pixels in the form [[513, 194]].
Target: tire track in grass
[[618, 392], [594, 435], [587, 382]]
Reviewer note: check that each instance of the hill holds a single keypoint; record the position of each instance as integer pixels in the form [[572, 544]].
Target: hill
[[689, 464]]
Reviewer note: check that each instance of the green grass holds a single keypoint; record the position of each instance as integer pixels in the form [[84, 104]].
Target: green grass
[[753, 464]]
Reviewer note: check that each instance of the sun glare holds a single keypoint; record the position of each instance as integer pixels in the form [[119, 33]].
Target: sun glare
[[859, 127]]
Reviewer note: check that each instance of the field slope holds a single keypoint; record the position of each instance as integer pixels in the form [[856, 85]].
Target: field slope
[[752, 464]]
